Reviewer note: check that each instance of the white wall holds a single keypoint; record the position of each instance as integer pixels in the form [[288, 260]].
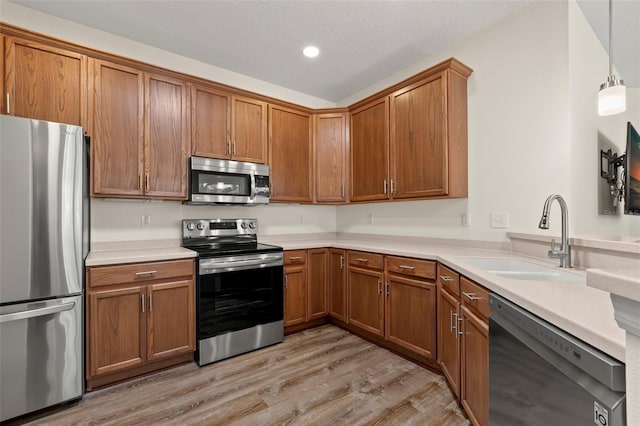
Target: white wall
[[519, 141], [588, 68]]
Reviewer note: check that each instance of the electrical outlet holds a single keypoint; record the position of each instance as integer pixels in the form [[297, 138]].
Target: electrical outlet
[[145, 220], [370, 218], [465, 219], [499, 219]]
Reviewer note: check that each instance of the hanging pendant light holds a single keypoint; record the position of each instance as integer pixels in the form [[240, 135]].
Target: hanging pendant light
[[612, 94]]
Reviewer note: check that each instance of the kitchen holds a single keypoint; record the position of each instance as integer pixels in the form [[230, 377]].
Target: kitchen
[[550, 130]]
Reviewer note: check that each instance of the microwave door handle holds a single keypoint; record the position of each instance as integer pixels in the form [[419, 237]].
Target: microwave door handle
[[253, 186]]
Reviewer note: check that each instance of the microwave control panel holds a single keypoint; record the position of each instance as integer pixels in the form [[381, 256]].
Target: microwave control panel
[[262, 186]]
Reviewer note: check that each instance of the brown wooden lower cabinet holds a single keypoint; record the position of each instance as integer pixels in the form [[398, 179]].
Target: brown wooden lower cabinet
[[305, 288], [366, 299], [463, 341], [337, 284], [140, 321]]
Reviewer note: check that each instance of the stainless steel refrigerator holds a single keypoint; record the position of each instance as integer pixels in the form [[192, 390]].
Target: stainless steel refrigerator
[[44, 239]]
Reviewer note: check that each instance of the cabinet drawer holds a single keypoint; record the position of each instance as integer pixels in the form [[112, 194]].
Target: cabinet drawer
[[364, 259], [411, 267], [292, 257], [449, 279], [139, 272], [475, 296]]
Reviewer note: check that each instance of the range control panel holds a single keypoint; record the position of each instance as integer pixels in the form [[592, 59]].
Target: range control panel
[[203, 228]]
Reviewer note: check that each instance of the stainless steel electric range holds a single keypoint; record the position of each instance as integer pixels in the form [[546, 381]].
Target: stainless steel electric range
[[239, 288]]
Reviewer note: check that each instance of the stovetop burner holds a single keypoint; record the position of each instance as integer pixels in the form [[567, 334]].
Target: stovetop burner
[[223, 237]]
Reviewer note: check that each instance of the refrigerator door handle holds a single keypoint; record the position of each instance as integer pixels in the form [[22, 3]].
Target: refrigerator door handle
[[38, 312]]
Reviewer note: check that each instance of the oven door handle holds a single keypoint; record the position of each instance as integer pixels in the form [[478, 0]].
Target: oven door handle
[[213, 266]]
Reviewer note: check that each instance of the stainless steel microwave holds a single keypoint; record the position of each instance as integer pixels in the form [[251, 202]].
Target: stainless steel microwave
[[213, 181]]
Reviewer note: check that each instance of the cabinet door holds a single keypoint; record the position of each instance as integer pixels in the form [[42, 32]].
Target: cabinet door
[[337, 284], [317, 283], [449, 339], [289, 154], [117, 158], [249, 130], [117, 330], [171, 319], [370, 152], [295, 295], [166, 137], [411, 315], [418, 140], [210, 123], [475, 368], [366, 301], [330, 157], [45, 83]]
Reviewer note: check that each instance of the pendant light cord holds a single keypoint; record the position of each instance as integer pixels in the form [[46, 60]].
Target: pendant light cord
[[610, 40]]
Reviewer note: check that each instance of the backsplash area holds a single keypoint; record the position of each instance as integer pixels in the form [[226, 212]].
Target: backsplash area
[[122, 220]]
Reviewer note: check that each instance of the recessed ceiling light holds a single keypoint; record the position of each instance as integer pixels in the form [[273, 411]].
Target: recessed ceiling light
[[310, 51]]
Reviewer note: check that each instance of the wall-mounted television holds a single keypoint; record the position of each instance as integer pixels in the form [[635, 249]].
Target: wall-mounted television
[[632, 172]]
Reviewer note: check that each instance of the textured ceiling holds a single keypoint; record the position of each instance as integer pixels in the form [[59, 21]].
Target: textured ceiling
[[361, 42]]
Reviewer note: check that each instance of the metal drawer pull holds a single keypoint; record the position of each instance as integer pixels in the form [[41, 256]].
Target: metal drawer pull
[[452, 322], [446, 278], [471, 296], [140, 274], [295, 258], [361, 259], [142, 298], [409, 268], [459, 333]]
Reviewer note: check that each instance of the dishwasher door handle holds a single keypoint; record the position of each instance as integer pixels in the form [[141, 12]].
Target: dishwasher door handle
[[38, 312]]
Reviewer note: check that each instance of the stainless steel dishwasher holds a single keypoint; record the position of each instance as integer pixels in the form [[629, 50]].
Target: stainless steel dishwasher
[[541, 375]]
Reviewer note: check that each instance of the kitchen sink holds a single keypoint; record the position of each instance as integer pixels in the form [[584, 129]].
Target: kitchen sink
[[522, 270]]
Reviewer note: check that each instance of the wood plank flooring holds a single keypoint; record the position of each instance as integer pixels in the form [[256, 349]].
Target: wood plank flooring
[[323, 376]]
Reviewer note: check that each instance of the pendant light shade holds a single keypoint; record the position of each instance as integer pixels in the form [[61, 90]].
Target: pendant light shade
[[612, 95]]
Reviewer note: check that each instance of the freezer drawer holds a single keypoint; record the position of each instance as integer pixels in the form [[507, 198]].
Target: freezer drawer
[[40, 355]]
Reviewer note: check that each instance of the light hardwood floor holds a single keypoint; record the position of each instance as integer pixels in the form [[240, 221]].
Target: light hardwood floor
[[323, 376]]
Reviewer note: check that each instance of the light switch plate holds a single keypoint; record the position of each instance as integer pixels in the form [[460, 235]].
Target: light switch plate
[[499, 219]]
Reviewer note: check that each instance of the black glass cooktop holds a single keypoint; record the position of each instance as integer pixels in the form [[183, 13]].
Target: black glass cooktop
[[217, 250]]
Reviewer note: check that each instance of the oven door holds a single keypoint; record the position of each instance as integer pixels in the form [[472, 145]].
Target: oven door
[[239, 292]]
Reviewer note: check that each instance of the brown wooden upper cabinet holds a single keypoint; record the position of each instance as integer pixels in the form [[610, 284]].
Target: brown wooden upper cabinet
[[330, 150], [228, 127], [44, 82], [140, 135], [370, 151], [290, 154], [413, 142]]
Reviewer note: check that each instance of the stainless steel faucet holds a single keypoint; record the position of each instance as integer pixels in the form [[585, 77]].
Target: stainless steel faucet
[[564, 254]]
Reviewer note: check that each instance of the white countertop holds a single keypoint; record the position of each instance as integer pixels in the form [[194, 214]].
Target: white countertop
[[583, 311], [623, 282]]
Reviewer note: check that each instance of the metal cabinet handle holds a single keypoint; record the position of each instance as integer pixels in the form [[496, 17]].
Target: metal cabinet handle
[[446, 278], [8, 103], [38, 312], [234, 148], [142, 298], [146, 183], [229, 147], [341, 262], [150, 302], [143, 273], [139, 182], [379, 286], [385, 186], [409, 268], [453, 323], [471, 296], [393, 187], [388, 288], [459, 333], [362, 259], [342, 191]]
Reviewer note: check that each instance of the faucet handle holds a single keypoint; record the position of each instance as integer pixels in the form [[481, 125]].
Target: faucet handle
[[553, 244]]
